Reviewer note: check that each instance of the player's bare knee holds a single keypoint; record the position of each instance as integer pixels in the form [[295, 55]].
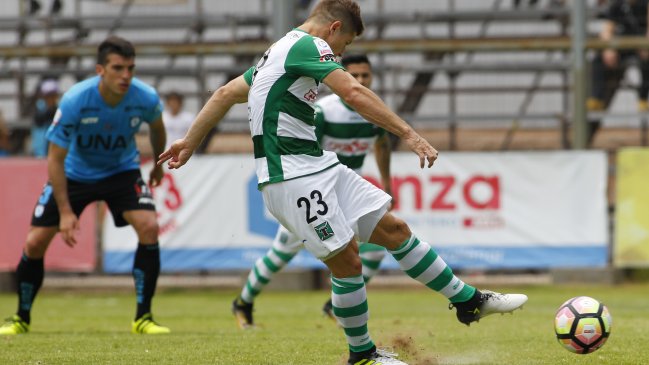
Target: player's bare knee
[[390, 232], [346, 263], [147, 230], [355, 264], [35, 250], [36, 243], [401, 230]]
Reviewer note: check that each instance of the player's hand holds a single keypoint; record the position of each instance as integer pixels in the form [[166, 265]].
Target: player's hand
[[155, 177], [422, 148], [178, 154], [69, 225]]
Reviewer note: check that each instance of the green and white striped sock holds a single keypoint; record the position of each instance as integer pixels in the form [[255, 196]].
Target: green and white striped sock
[[264, 270], [371, 257], [349, 301], [418, 260]]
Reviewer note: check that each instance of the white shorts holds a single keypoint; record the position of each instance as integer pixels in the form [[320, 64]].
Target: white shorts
[[287, 242], [327, 209]]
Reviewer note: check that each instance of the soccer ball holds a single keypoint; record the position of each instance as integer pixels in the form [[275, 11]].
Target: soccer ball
[[582, 325]]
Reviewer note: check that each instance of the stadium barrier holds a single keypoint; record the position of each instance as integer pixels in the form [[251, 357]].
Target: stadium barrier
[[21, 182], [631, 248], [512, 210]]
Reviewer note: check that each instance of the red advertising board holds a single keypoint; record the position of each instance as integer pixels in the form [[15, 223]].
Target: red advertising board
[[21, 182]]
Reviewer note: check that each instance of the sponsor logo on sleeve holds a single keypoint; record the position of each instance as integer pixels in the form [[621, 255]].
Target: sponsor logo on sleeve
[[326, 54], [328, 58], [57, 116]]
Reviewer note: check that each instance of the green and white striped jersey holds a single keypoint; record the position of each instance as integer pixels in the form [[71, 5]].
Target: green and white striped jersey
[[342, 130], [283, 89]]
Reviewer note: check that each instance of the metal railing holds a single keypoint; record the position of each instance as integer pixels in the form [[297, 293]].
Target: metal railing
[[76, 56]]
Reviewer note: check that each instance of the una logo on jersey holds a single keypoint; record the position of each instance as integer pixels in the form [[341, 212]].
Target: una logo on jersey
[[103, 142]]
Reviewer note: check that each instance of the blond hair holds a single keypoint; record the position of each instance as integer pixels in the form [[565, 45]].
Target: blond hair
[[347, 11]]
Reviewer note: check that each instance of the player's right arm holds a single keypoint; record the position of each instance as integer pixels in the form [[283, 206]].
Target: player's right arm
[[382, 153], [60, 135], [234, 92], [69, 222], [372, 108]]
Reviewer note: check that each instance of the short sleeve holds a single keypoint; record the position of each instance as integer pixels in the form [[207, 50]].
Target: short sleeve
[[154, 113], [247, 76], [311, 57], [64, 124]]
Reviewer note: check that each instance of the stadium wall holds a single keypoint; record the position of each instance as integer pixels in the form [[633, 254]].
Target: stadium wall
[[480, 210], [21, 183]]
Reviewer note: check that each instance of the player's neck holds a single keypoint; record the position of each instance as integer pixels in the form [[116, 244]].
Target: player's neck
[[109, 97], [314, 28]]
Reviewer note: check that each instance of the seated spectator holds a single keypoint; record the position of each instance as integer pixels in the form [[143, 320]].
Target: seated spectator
[[46, 107], [623, 18], [176, 120]]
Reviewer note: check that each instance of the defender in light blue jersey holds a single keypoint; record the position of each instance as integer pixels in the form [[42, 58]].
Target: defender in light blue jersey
[[99, 137], [92, 156]]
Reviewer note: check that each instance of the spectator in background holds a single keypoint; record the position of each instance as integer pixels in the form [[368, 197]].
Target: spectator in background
[[623, 18], [46, 106], [4, 137], [177, 121]]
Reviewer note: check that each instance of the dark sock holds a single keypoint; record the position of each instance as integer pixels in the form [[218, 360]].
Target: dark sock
[[29, 275], [146, 268]]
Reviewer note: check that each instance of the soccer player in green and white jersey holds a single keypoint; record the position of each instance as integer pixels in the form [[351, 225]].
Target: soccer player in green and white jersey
[[315, 197], [341, 130]]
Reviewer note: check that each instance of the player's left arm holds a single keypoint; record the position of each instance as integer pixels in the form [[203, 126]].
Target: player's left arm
[[158, 139], [382, 152]]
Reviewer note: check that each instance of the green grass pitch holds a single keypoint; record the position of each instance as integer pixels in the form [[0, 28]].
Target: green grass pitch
[[82, 328]]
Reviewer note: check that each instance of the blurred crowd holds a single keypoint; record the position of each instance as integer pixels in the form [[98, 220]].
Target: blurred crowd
[[608, 69]]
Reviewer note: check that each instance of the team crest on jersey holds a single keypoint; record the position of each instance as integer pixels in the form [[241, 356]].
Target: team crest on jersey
[[135, 121], [324, 231]]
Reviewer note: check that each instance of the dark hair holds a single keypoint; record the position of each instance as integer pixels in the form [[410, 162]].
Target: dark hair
[[174, 95], [117, 45], [353, 59], [347, 11]]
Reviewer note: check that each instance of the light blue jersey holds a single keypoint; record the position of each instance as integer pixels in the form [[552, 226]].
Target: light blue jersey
[[100, 138]]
